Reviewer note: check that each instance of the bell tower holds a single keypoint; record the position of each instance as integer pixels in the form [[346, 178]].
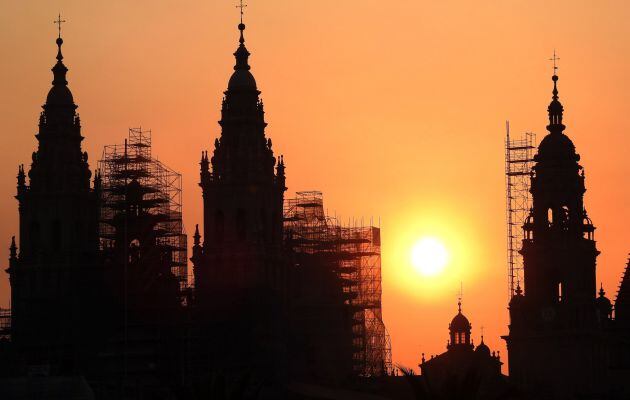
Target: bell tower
[[240, 273], [556, 335], [55, 272], [243, 188]]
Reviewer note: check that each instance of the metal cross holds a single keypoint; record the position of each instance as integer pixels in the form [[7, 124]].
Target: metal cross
[[241, 6], [554, 59], [59, 21]]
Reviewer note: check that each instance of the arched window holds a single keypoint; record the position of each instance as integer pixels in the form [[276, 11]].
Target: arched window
[[550, 216], [560, 291], [219, 226]]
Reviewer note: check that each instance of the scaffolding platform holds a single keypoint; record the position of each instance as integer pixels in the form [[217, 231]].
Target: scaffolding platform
[[161, 192], [519, 160], [354, 254]]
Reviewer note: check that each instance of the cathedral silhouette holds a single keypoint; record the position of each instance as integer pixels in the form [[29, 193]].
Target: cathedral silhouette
[[283, 301]]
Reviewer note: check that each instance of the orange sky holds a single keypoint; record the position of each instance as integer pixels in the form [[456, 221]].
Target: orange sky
[[393, 110]]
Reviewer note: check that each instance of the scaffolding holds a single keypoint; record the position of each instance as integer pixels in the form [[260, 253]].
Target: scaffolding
[[161, 197], [353, 254], [518, 168]]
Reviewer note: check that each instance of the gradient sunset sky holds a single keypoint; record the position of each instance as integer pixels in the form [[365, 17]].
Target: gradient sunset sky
[[395, 110]]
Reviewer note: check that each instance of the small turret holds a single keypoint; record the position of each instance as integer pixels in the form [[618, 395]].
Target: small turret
[[604, 306], [460, 330], [280, 176], [197, 236], [197, 250], [13, 249], [21, 180]]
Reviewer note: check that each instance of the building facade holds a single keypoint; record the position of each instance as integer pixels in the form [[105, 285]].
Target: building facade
[[54, 274], [557, 343]]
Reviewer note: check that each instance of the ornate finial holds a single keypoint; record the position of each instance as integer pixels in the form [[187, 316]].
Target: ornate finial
[[555, 109], [242, 7], [555, 65], [601, 290], [518, 290], [554, 59], [21, 176], [59, 21], [241, 53], [13, 248], [459, 297], [482, 334], [197, 236]]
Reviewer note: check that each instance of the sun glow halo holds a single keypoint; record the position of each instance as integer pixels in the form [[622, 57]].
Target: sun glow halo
[[429, 256]]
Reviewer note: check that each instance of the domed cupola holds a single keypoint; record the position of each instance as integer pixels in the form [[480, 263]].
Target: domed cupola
[[242, 78], [483, 348], [556, 146], [60, 95], [459, 329]]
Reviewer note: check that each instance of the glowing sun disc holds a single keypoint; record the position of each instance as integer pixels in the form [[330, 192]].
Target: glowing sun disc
[[429, 256]]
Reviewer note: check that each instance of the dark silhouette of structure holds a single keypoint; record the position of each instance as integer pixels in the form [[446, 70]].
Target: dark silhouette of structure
[[561, 336], [475, 371], [102, 306], [335, 293], [55, 275], [240, 274], [144, 252]]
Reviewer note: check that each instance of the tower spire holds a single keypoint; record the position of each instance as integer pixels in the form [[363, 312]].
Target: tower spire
[[242, 7], [59, 21], [241, 53], [555, 58], [555, 109]]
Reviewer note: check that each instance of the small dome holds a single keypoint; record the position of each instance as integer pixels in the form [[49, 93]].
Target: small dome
[[242, 79], [483, 349], [60, 95], [556, 147], [460, 323]]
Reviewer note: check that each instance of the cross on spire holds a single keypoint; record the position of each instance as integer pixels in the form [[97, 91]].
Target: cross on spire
[[555, 58], [459, 296], [242, 7], [59, 21]]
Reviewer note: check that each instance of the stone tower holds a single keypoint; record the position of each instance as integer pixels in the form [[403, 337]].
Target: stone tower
[[240, 275], [556, 337], [54, 276], [242, 193]]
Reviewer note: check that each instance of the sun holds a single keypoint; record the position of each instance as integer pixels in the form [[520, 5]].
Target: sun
[[429, 256]]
